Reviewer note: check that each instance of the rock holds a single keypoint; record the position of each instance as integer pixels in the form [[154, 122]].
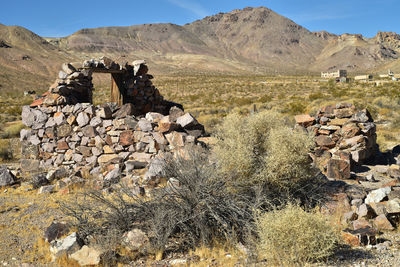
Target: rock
[[362, 116], [366, 236], [29, 165], [344, 113], [89, 131], [382, 223], [87, 256], [56, 174], [6, 177], [176, 139], [338, 169], [55, 231], [154, 117], [304, 120], [125, 110], [348, 217], [68, 245], [82, 119], [47, 189], [64, 130], [144, 125], [350, 239], [186, 121], [365, 211], [105, 112], [392, 206], [107, 158], [156, 170], [325, 141], [68, 68], [377, 195], [39, 180], [126, 138], [62, 145], [361, 223], [112, 177], [96, 121], [135, 240]]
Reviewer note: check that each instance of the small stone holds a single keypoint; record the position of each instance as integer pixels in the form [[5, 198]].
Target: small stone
[[325, 141], [338, 169], [126, 138], [154, 117], [47, 189], [55, 231], [125, 110], [87, 256], [82, 119], [96, 121], [135, 240], [175, 113], [365, 211], [144, 125]]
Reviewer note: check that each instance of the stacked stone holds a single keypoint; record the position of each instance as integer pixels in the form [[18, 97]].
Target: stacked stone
[[71, 87], [101, 63], [83, 135], [344, 138], [140, 90]]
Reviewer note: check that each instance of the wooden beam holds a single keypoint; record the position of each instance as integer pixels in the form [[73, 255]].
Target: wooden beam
[[117, 90]]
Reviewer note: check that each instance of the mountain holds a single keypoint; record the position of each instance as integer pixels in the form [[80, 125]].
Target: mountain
[[251, 40], [27, 60]]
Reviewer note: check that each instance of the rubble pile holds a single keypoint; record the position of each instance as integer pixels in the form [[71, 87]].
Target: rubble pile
[[344, 137]]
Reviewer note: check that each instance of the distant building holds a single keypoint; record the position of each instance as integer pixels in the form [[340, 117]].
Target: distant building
[[335, 74], [366, 77]]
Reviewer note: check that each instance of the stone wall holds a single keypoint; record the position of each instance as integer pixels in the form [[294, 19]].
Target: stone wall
[[66, 130], [74, 85], [344, 137]]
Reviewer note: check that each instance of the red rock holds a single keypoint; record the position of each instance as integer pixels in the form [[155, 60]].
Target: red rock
[[304, 120], [37, 102], [126, 138], [165, 127], [350, 239]]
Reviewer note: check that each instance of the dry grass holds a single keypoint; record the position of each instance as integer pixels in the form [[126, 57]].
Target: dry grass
[[292, 236]]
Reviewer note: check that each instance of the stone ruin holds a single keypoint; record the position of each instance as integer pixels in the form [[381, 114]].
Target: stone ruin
[[110, 140], [344, 137], [129, 84]]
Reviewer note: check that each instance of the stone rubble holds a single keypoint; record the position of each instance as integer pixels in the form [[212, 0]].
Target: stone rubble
[[344, 137], [6, 177]]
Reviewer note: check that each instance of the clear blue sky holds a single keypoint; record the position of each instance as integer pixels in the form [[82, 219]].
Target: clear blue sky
[[64, 17]]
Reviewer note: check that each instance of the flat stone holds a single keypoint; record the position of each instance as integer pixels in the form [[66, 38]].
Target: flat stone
[[62, 145], [89, 131], [344, 113], [126, 138], [154, 117], [125, 110], [304, 120], [176, 139], [325, 141], [106, 158], [186, 121], [377, 195]]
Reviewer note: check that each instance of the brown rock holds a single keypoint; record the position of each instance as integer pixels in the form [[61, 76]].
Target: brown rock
[[350, 239], [339, 122], [338, 169], [126, 138], [165, 127], [106, 158], [324, 141], [350, 130], [62, 145], [361, 223], [382, 223], [304, 120], [344, 112], [64, 130]]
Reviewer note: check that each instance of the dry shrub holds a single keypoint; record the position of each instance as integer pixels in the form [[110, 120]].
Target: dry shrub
[[292, 236], [262, 149], [12, 130], [5, 150]]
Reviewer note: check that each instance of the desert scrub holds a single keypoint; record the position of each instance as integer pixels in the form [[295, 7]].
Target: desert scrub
[[292, 236], [12, 130], [263, 149], [5, 150]]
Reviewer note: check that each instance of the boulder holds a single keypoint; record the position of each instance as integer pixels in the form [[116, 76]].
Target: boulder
[[6, 177]]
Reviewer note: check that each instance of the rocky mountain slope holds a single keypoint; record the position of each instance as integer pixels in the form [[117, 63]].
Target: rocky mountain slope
[[251, 40]]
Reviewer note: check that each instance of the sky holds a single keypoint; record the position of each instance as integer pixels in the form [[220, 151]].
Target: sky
[[55, 18]]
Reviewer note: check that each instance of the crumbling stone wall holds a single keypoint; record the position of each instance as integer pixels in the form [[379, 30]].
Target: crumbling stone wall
[[108, 140], [74, 85], [344, 137]]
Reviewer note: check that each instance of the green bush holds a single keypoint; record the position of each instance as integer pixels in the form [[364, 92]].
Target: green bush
[[263, 149], [292, 236]]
